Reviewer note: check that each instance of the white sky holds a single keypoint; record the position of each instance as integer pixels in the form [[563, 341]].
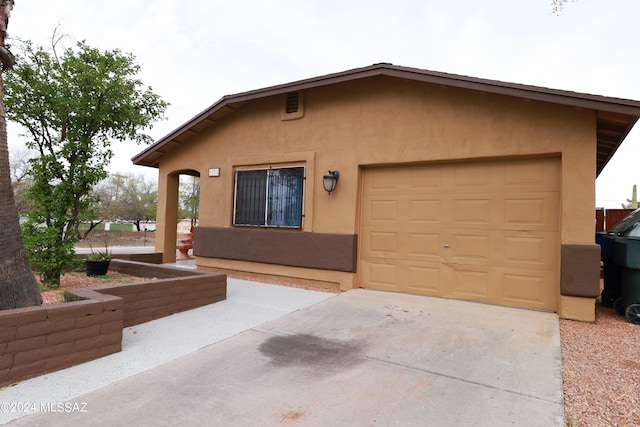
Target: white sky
[[193, 52]]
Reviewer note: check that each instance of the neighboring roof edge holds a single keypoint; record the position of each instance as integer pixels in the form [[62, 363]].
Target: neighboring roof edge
[[563, 97]]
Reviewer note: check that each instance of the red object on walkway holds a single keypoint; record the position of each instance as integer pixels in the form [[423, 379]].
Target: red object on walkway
[[184, 245]]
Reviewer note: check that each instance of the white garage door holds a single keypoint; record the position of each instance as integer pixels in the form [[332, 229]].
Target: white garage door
[[481, 231]]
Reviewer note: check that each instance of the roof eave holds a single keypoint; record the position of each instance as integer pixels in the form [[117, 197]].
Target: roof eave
[[579, 100]]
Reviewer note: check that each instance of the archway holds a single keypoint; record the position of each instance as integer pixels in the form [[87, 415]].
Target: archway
[[172, 210]]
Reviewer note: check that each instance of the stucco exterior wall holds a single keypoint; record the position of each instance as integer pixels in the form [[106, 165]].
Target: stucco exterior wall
[[378, 121]]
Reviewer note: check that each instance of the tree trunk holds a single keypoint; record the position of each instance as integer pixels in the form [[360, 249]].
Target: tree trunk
[[85, 235], [18, 285]]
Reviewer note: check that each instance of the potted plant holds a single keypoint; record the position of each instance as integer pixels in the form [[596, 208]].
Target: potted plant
[[97, 263]]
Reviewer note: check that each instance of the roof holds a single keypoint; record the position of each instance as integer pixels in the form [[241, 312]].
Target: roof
[[615, 116]]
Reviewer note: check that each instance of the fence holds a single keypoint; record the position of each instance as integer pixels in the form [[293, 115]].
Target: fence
[[607, 218]]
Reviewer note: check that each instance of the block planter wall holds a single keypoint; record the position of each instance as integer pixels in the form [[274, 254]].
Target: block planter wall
[[151, 258], [38, 340], [174, 290]]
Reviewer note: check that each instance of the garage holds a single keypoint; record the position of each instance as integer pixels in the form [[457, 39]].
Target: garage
[[485, 231]]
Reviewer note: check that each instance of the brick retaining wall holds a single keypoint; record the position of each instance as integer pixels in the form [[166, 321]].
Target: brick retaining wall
[[175, 290], [38, 340], [151, 257]]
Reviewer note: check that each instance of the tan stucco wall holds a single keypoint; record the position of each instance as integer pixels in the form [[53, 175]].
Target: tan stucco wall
[[380, 121], [576, 308], [167, 216]]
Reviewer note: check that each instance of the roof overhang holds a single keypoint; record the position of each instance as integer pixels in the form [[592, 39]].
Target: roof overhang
[[615, 117]]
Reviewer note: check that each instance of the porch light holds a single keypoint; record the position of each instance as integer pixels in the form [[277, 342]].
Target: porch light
[[330, 180]]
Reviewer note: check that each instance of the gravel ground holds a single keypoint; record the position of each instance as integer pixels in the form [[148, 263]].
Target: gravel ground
[[601, 371], [81, 280]]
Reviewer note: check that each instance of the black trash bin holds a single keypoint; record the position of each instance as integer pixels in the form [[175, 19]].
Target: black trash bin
[[626, 257], [612, 289]]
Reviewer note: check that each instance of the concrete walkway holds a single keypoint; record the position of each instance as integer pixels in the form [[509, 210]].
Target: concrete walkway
[[151, 344], [304, 358]]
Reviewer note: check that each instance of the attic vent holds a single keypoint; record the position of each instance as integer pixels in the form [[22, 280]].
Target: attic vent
[[293, 102], [292, 106]]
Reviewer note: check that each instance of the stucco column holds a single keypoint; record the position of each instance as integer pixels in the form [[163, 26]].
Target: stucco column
[[167, 217], [580, 256]]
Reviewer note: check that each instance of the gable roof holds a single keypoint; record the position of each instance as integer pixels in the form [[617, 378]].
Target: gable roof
[[615, 116]]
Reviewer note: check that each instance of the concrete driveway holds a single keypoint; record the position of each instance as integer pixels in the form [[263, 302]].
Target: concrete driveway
[[361, 358]]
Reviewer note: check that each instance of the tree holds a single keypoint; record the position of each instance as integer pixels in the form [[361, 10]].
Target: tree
[[18, 285], [126, 197], [108, 204], [73, 103], [558, 5], [20, 179], [189, 198], [141, 201], [632, 203]]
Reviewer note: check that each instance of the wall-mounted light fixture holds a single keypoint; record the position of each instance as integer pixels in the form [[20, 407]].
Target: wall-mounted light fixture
[[330, 180]]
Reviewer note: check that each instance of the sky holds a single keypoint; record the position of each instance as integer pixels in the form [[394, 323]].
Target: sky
[[193, 52]]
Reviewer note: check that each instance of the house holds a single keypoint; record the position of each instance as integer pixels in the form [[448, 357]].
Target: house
[[448, 185]]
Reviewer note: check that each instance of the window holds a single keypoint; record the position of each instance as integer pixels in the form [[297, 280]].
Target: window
[[269, 197]]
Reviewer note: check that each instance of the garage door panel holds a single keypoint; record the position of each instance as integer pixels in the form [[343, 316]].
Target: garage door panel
[[382, 210], [518, 287], [381, 275], [471, 211], [423, 279], [470, 283], [383, 242], [537, 211], [425, 180], [424, 211], [532, 175], [525, 173], [527, 250], [466, 176], [404, 180], [529, 288], [383, 180], [403, 276], [387, 243], [424, 245], [481, 231], [467, 248], [380, 242], [525, 212]]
